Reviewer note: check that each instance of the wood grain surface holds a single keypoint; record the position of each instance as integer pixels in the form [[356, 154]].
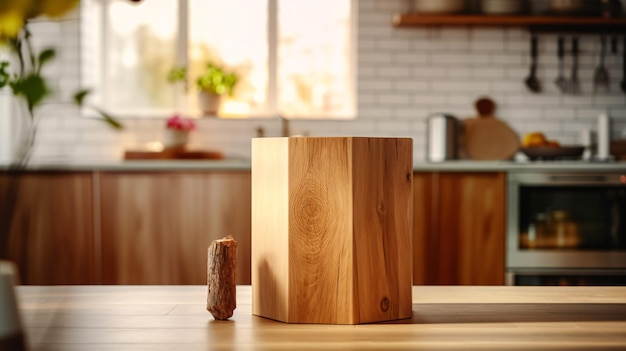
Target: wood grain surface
[[343, 205], [270, 228], [73, 318], [382, 176], [486, 137], [424, 230], [459, 228], [472, 228], [321, 242], [156, 228], [70, 231], [51, 237], [173, 154]]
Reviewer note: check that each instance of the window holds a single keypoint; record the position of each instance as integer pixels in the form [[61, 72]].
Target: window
[[295, 58]]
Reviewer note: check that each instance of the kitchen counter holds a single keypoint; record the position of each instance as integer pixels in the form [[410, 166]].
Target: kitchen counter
[[510, 166], [444, 317], [244, 165], [144, 165]]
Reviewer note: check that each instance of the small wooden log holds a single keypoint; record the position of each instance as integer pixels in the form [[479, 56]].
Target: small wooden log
[[221, 267]]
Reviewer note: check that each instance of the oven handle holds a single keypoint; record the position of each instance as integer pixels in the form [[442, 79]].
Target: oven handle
[[580, 179], [567, 178]]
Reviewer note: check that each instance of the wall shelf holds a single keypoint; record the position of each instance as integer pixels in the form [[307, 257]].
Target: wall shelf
[[545, 23]]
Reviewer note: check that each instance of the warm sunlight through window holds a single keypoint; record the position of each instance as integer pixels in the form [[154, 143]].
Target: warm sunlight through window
[[139, 50], [235, 35], [292, 57], [314, 59]]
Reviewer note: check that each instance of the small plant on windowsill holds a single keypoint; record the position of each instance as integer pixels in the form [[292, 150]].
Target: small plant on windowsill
[[212, 84]]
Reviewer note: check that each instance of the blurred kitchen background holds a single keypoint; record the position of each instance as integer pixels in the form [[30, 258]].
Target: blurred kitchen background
[[402, 76]]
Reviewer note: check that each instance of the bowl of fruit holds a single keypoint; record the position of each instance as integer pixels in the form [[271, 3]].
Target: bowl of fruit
[[536, 146]]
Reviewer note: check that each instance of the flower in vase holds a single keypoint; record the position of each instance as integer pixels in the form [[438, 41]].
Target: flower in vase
[[177, 123]]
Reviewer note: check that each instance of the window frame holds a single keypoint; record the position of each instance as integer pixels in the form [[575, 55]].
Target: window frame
[[272, 103]]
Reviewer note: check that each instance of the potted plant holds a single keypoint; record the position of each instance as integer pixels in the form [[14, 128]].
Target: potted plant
[[212, 84], [177, 132]]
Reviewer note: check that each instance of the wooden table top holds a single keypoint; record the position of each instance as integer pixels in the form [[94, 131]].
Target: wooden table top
[[444, 318]]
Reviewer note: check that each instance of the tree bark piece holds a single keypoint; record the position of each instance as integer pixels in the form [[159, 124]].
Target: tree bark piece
[[221, 268]]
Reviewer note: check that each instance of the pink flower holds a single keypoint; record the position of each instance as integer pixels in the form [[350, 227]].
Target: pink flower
[[177, 123]]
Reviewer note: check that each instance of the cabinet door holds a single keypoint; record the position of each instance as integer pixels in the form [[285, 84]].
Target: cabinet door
[[156, 227], [462, 240], [51, 235], [424, 213]]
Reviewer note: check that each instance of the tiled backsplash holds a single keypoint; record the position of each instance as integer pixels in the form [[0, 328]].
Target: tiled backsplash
[[404, 75]]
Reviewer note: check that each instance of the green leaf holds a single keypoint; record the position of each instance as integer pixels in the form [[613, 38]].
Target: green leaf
[[4, 75], [177, 74], [33, 88], [216, 80], [79, 99], [45, 56], [110, 120], [80, 96]]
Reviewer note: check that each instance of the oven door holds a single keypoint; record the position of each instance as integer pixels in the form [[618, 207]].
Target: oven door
[[566, 221]]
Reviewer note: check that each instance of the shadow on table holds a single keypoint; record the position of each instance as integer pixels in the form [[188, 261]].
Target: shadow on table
[[514, 313]]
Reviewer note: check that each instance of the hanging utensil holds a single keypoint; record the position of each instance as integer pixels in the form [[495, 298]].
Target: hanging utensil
[[614, 50], [532, 82], [574, 85], [560, 80], [601, 80], [623, 84]]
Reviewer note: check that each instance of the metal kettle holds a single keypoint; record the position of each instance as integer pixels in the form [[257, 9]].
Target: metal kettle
[[443, 137]]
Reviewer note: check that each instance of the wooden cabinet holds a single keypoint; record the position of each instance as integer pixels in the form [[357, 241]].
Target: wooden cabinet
[[157, 227], [459, 228], [51, 235]]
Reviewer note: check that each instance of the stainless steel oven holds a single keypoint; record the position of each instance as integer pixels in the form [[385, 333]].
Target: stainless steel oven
[[566, 228]]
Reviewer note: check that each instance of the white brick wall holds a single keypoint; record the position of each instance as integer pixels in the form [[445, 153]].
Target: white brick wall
[[404, 75]]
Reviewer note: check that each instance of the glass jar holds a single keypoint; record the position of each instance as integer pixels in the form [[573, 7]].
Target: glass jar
[[536, 235], [563, 231]]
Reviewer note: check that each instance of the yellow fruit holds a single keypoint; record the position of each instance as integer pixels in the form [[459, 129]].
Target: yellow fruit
[[538, 139], [552, 143], [534, 139]]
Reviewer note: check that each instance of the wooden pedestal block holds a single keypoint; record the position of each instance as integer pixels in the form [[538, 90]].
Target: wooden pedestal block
[[331, 229]]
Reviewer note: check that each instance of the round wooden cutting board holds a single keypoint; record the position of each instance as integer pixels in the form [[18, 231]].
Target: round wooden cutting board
[[486, 137]]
